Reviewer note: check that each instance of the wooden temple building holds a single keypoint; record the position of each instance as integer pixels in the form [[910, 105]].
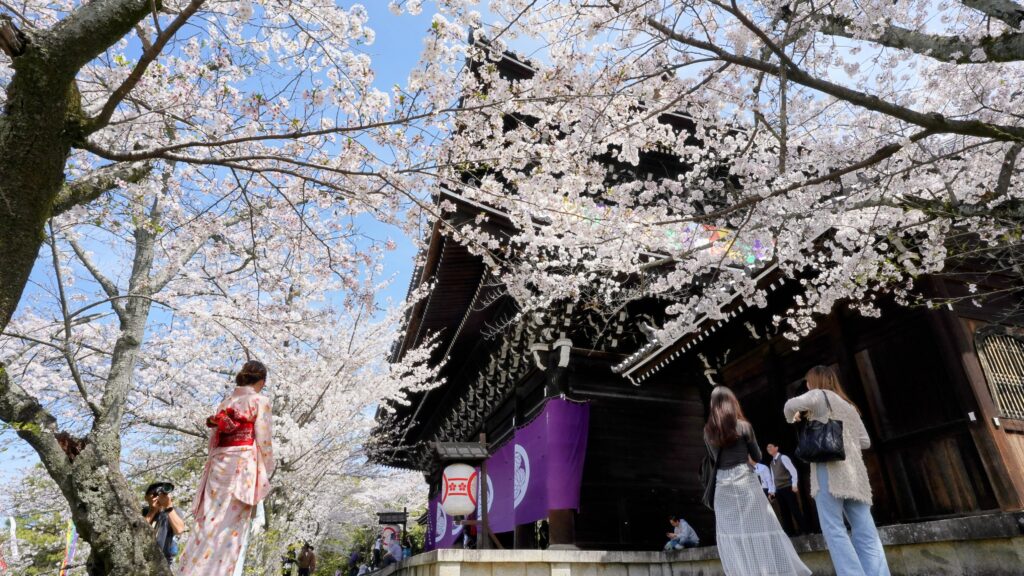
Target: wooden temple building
[[941, 391]]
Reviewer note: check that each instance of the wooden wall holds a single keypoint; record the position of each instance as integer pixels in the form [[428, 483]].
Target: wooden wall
[[914, 399], [642, 463]]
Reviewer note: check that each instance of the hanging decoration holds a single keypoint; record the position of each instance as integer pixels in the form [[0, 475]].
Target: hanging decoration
[[70, 547], [458, 497], [537, 470]]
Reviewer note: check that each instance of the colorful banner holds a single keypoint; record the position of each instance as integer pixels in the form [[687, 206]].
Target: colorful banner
[[70, 547], [537, 470]]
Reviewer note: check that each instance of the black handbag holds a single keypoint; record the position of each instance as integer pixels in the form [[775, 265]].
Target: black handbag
[[708, 476], [820, 441]]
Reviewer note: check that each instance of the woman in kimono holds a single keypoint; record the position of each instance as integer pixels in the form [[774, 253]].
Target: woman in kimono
[[235, 480]]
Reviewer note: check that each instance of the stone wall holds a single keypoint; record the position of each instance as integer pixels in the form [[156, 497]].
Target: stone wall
[[988, 545]]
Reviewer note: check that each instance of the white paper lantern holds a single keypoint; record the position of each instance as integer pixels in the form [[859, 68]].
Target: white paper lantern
[[458, 490], [389, 533]]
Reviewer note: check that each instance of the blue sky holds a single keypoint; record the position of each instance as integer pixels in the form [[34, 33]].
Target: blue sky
[[395, 52]]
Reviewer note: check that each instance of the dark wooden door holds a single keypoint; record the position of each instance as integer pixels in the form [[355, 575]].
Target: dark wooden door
[[924, 455]]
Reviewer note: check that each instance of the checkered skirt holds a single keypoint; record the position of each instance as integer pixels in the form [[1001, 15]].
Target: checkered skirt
[[750, 540]]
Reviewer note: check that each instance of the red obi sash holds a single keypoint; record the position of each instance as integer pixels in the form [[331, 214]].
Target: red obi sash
[[232, 428]]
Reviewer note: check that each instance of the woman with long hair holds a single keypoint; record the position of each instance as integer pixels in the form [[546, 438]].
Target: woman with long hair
[[841, 488], [236, 477], [750, 540]]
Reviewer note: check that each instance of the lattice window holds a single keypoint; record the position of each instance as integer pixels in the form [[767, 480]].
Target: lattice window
[[1002, 358]]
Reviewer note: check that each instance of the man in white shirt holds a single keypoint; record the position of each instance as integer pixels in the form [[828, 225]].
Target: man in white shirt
[[764, 474], [787, 491], [681, 536]]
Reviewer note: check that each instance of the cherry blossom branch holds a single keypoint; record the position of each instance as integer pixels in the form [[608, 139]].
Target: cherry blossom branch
[[882, 153], [148, 57], [114, 299], [108, 286], [1007, 47], [934, 122], [161, 279], [66, 352], [161, 152], [173, 428]]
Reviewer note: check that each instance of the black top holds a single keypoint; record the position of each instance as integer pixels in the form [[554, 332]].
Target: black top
[[164, 534], [740, 450]]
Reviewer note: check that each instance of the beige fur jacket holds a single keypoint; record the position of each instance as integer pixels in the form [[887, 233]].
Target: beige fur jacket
[[847, 479]]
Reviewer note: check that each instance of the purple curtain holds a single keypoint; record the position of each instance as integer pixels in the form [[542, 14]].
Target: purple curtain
[[538, 469]]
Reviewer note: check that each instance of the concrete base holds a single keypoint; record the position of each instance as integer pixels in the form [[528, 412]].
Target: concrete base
[[989, 545]]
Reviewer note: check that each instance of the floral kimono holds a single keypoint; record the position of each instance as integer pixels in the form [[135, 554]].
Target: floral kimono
[[235, 480]]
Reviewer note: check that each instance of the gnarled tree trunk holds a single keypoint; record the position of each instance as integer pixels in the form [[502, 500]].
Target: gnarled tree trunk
[[105, 509], [39, 125]]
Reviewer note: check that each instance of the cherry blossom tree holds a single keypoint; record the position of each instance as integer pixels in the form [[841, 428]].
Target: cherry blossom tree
[[204, 139], [191, 171], [673, 149], [143, 339]]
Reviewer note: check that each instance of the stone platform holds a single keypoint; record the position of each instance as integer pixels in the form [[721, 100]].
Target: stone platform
[[985, 545]]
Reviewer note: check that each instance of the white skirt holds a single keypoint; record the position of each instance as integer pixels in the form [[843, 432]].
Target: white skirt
[[750, 540]]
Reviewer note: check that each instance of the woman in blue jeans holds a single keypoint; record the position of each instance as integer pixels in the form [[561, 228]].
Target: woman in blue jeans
[[841, 488]]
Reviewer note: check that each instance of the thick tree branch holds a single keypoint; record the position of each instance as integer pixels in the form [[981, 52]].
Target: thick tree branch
[[1005, 173], [1008, 47], [133, 330], [934, 123], [33, 424], [1007, 11], [162, 278], [96, 183], [89, 30], [148, 57]]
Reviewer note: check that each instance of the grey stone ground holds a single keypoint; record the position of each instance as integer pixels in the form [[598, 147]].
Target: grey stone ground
[[986, 545]]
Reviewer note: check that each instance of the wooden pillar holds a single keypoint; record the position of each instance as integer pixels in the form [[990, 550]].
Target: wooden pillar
[[562, 529], [483, 531], [526, 537], [996, 455]]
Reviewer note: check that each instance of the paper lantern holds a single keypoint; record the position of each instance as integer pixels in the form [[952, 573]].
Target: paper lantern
[[458, 490], [389, 533]]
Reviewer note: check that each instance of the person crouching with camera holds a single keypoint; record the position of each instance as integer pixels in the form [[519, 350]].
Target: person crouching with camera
[[161, 515]]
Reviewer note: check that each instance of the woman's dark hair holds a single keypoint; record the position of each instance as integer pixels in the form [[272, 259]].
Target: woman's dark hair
[[726, 414], [252, 372]]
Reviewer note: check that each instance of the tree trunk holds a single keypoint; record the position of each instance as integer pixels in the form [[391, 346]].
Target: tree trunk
[[34, 147], [107, 513], [40, 122], [104, 508]]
